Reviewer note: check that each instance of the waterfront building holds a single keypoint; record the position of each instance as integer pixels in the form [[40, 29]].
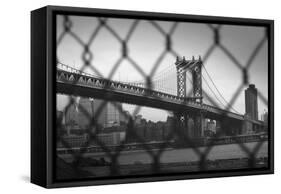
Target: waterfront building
[[73, 141], [112, 136]]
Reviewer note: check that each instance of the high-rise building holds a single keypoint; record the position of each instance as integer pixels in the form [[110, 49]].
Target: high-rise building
[[251, 102], [100, 112], [264, 117], [78, 115], [86, 110], [107, 113], [70, 114], [113, 114]]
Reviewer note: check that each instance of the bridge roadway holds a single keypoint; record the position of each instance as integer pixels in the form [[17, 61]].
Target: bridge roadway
[[77, 84]]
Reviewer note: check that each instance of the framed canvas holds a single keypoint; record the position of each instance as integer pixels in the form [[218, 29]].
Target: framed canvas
[[126, 96]]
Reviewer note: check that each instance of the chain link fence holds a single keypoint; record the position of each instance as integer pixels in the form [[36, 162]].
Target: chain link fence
[[108, 164]]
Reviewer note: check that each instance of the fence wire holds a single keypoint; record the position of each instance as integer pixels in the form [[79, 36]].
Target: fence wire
[[88, 56]]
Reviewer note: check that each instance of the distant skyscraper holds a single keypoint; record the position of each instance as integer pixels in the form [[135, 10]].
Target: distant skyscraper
[[113, 114], [264, 117], [251, 102], [84, 110], [79, 113], [71, 115], [107, 114]]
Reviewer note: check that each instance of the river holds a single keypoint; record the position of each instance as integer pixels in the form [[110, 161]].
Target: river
[[226, 151]]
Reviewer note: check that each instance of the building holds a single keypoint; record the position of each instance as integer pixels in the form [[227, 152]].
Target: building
[[251, 102], [124, 117], [70, 114], [60, 117], [169, 126], [74, 129], [211, 127], [264, 117], [107, 114], [60, 124], [85, 110], [73, 141], [248, 127], [112, 136], [113, 114], [78, 115], [137, 119]]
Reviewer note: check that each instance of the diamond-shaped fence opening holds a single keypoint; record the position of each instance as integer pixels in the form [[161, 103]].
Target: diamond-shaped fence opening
[[77, 150]]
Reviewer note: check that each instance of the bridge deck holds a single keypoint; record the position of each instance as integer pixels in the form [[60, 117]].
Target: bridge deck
[[85, 85]]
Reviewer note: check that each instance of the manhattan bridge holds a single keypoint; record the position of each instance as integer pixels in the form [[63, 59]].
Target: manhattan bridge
[[153, 91], [185, 105]]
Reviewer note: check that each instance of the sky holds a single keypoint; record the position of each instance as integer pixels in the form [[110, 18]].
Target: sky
[[147, 43]]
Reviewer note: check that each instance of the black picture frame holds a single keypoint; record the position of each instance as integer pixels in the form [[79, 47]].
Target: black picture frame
[[43, 95]]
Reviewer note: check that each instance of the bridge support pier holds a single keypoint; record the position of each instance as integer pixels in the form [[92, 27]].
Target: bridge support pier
[[181, 119], [184, 131], [198, 120], [184, 127]]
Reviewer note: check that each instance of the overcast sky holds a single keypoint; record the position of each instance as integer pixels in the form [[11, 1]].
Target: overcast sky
[[147, 43]]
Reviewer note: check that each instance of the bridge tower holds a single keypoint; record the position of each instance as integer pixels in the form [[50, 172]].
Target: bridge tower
[[195, 68]]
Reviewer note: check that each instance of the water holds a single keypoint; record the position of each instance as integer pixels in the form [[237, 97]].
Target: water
[[226, 151]]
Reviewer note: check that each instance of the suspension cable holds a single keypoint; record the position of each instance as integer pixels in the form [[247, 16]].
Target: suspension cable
[[227, 103], [213, 92]]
